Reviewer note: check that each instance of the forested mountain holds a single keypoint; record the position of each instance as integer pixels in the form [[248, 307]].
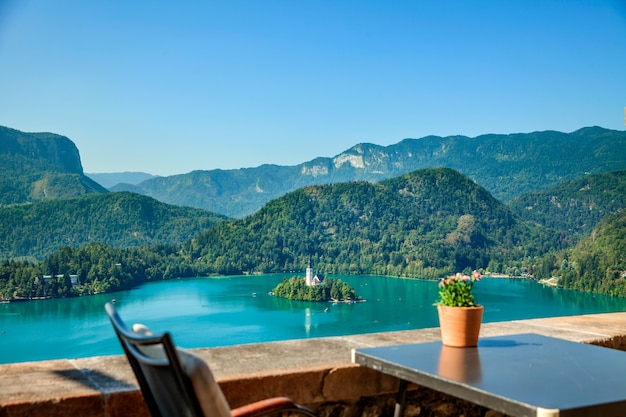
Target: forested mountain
[[427, 223], [598, 262], [40, 166], [506, 165], [121, 220], [574, 208]]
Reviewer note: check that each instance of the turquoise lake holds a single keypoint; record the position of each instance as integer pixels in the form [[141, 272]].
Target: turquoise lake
[[208, 312]]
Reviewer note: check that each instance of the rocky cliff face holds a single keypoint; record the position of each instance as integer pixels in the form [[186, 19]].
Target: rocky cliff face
[[56, 152], [39, 166]]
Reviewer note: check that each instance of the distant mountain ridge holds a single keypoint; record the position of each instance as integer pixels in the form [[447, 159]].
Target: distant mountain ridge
[[506, 165], [109, 180], [43, 166]]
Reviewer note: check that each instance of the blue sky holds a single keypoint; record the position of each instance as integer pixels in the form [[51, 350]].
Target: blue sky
[[169, 87]]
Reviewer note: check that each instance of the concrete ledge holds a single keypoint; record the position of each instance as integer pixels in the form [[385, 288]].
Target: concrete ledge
[[315, 372]]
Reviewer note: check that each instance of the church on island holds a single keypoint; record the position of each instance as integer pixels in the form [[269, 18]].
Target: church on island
[[315, 287], [312, 280]]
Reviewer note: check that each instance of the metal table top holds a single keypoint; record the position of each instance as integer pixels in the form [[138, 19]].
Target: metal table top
[[519, 375]]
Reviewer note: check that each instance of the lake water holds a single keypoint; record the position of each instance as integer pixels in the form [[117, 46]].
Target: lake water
[[207, 312]]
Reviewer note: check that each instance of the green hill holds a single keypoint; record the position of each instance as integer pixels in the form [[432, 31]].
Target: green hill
[[423, 224], [598, 262], [574, 208], [121, 220], [40, 166]]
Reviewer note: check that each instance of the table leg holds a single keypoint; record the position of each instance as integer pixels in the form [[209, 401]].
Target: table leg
[[400, 398]]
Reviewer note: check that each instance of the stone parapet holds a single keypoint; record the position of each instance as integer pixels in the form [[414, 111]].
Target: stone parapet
[[315, 372]]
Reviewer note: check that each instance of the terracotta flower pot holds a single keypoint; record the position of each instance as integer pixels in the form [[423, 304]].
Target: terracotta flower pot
[[460, 326]]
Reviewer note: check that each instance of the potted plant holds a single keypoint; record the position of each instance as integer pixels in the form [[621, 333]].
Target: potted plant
[[459, 315]]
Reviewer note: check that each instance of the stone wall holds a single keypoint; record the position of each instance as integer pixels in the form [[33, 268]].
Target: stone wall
[[327, 382]]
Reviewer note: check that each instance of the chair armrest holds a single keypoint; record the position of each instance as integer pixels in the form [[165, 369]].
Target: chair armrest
[[270, 406]]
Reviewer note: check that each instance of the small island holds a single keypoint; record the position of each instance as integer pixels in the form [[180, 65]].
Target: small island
[[315, 288]]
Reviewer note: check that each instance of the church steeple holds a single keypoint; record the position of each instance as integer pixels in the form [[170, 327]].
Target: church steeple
[[308, 280]]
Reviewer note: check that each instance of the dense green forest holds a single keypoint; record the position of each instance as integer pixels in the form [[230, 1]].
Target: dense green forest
[[596, 264], [121, 220], [574, 208], [426, 224], [295, 288], [99, 267]]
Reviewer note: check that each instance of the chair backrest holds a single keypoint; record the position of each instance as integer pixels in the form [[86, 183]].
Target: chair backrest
[[167, 389]]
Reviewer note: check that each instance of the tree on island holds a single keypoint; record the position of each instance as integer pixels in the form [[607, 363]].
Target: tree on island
[[296, 289]]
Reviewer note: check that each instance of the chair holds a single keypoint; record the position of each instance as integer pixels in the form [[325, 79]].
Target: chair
[[177, 383]]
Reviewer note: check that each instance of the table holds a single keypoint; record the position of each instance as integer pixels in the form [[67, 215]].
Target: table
[[519, 375]]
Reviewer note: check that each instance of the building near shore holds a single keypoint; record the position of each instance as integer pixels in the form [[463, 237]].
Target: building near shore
[[310, 279]]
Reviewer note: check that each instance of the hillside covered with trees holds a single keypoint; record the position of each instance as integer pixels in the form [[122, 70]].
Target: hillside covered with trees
[[58, 223], [424, 224], [99, 269], [121, 220], [575, 207], [596, 264]]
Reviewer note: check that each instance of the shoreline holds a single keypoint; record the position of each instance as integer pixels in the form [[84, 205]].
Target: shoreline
[[506, 276], [551, 282]]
